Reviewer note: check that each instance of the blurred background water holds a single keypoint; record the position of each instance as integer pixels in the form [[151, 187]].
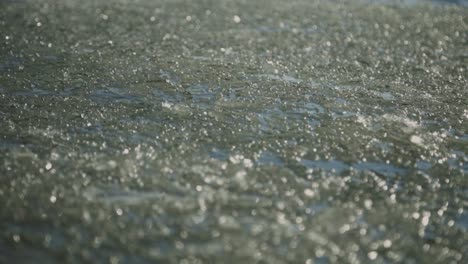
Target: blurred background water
[[233, 131]]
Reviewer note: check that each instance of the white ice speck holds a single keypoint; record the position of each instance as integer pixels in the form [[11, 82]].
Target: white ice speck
[[119, 211], [387, 243], [372, 255], [368, 203], [425, 218], [16, 238], [345, 228], [236, 19], [112, 164]]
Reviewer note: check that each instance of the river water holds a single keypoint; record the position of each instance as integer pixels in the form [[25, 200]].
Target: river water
[[219, 131]]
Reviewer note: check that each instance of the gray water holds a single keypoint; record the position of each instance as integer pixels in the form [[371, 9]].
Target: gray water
[[219, 131]]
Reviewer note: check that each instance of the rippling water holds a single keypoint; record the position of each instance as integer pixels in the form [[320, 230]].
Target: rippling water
[[233, 131]]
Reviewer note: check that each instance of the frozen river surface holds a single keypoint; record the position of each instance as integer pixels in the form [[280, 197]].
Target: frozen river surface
[[219, 131]]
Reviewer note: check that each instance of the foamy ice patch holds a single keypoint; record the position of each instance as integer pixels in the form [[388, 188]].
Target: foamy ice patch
[[410, 125], [415, 139]]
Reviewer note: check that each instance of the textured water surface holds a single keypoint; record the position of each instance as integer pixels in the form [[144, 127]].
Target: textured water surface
[[219, 131]]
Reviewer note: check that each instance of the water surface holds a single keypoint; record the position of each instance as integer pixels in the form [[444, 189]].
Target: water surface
[[233, 131]]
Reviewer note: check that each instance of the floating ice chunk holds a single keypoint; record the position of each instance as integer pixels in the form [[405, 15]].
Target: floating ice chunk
[[247, 163], [309, 192], [284, 78], [291, 79], [416, 140], [236, 159], [166, 105], [226, 51], [410, 124], [317, 238], [386, 96], [228, 222], [169, 78], [363, 120]]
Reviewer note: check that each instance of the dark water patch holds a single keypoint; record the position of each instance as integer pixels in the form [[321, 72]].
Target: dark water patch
[[316, 208], [414, 2], [455, 2], [168, 96], [12, 64], [458, 160], [269, 158], [169, 78], [423, 165], [44, 92], [334, 166], [462, 221], [308, 112], [91, 128], [202, 95], [287, 28], [219, 154], [35, 92], [114, 95], [234, 93], [464, 137], [271, 121], [110, 195], [380, 168], [309, 108], [274, 77], [10, 144]]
